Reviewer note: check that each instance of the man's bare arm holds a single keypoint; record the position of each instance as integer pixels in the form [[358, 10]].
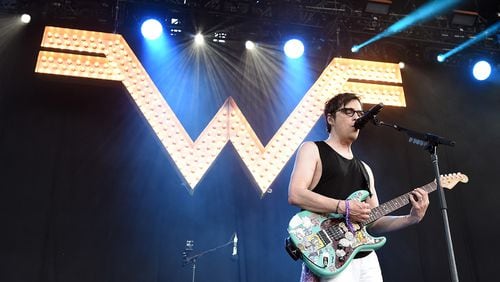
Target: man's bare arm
[[299, 189]]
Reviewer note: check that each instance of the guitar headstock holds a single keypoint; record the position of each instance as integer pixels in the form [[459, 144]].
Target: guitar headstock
[[449, 181]]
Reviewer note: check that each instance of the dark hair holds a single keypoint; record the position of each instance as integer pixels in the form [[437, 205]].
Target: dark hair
[[336, 103]]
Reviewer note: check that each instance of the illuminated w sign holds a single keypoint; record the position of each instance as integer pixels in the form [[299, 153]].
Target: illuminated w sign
[[114, 60]]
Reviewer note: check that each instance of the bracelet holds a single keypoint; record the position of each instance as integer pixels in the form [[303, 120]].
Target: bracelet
[[337, 208], [347, 220]]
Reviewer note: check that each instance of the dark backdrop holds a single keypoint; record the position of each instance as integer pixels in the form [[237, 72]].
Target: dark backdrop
[[88, 193]]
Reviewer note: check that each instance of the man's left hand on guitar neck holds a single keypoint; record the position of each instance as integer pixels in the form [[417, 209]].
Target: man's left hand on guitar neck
[[419, 202]]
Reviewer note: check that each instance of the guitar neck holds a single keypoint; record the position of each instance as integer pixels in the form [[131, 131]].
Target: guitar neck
[[395, 204]]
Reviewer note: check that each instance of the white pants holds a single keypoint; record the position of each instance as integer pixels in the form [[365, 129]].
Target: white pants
[[366, 269]]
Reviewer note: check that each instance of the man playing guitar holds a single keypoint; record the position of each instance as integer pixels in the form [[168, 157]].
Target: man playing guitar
[[327, 172]]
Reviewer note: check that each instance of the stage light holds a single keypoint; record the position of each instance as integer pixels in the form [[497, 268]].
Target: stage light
[[423, 13], [378, 6], [490, 31], [199, 39], [151, 29], [440, 58], [25, 18], [175, 26], [220, 37], [175, 31], [294, 48], [401, 65], [481, 70], [465, 18], [249, 45]]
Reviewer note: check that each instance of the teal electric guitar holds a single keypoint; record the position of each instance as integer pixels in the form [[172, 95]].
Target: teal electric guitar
[[324, 241]]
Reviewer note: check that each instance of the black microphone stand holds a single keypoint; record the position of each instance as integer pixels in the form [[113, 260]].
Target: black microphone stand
[[186, 259], [430, 143]]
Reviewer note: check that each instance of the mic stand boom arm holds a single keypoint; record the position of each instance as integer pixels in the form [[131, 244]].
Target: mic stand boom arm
[[430, 142], [426, 140], [192, 259]]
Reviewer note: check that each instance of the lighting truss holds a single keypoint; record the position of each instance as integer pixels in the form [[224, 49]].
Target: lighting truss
[[322, 20]]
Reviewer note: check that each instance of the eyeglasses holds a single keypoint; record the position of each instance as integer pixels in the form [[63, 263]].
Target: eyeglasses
[[350, 112]]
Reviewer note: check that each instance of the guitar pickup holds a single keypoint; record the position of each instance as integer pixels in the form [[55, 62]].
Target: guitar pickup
[[316, 241], [324, 237]]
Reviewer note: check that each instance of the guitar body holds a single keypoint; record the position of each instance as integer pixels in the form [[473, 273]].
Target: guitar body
[[325, 242]]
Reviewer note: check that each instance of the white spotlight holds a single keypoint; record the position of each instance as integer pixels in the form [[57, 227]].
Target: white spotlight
[[401, 65], [481, 70], [25, 18], [294, 48], [198, 39], [249, 45]]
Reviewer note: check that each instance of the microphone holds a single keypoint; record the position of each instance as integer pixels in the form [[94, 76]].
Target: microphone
[[369, 115], [235, 245]]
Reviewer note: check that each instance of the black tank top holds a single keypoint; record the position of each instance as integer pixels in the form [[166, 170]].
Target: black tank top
[[340, 176]]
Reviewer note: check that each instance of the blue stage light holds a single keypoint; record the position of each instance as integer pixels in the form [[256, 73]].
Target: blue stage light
[[440, 58], [294, 48], [423, 13], [481, 70], [473, 40], [151, 29]]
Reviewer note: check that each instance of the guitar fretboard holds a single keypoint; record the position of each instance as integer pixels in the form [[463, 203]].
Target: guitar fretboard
[[395, 204]]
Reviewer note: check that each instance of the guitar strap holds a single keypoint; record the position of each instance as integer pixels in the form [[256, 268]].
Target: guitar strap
[[365, 175]]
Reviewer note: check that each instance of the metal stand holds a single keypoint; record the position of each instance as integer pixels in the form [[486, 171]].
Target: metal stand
[[116, 13], [430, 143], [187, 259]]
